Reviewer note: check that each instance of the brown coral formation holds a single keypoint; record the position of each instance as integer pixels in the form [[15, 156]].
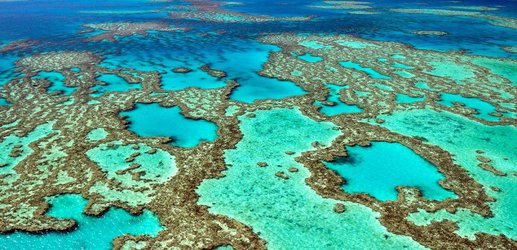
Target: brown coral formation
[[336, 49], [363, 88], [39, 175], [214, 12], [182, 70], [121, 29], [430, 33], [190, 226], [18, 45], [492, 19], [510, 49], [213, 72], [57, 61], [358, 7]]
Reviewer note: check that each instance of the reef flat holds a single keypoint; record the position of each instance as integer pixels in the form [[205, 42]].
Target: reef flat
[[258, 125]]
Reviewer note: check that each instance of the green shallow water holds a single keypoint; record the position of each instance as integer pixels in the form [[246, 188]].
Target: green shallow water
[[378, 169], [97, 134], [506, 69], [13, 141], [462, 137], [457, 72], [91, 233], [158, 166], [288, 214]]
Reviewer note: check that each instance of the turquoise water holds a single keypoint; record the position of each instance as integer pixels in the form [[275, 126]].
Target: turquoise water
[[340, 107], [91, 233], [484, 108], [113, 83], [288, 212], [383, 86], [196, 78], [314, 45], [97, 134], [244, 65], [224, 248], [241, 60], [156, 120], [404, 73], [379, 168], [422, 85], [308, 57], [402, 98], [4, 102], [462, 137], [401, 66], [165, 62], [371, 72], [355, 44], [58, 82]]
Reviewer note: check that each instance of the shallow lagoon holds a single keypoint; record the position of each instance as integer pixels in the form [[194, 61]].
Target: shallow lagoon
[[156, 120], [58, 82], [371, 72], [241, 59], [462, 137], [196, 78], [112, 83], [483, 108], [402, 98], [91, 233], [4, 102], [308, 57], [378, 169], [459, 73], [244, 64], [97, 134]]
